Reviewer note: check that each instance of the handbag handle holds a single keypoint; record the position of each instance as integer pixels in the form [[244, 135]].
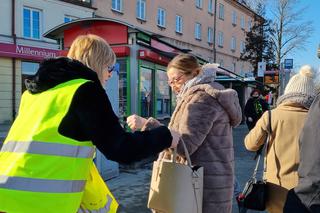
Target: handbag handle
[[265, 147], [186, 153]]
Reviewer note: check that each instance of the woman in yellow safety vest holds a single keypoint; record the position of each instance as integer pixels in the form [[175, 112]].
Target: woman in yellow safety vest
[[46, 158]]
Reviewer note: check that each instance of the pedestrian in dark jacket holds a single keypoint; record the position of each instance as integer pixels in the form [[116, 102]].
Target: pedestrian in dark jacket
[[64, 114], [254, 108], [305, 197]]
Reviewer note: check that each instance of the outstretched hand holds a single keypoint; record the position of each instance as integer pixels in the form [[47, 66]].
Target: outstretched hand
[[136, 122]]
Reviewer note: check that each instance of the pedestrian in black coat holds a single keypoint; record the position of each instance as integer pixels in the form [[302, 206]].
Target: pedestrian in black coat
[[254, 108]]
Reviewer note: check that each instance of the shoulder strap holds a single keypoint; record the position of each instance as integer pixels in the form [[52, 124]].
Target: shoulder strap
[[265, 147], [267, 141]]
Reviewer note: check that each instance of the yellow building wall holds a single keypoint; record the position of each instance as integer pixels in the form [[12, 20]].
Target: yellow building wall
[[6, 88]]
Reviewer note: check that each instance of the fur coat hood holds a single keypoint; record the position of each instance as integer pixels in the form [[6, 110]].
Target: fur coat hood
[[227, 98]]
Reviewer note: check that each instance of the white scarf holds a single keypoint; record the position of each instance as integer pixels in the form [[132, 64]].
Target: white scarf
[[207, 75]]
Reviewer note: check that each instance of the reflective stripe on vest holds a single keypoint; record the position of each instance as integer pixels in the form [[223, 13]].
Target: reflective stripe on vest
[[40, 169], [105, 209], [48, 148], [41, 185]]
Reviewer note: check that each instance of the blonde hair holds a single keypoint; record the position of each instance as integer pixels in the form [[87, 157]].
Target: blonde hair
[[93, 51], [186, 63]]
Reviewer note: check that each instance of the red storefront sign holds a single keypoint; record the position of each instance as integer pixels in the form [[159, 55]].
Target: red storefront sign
[[149, 55], [113, 33], [26, 52], [120, 51]]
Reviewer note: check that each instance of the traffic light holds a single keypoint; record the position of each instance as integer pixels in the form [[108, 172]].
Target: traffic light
[[319, 51]]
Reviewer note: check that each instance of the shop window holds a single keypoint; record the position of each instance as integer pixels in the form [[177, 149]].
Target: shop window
[[123, 84], [179, 24], [27, 69], [31, 23], [141, 9], [162, 94], [146, 97], [173, 101]]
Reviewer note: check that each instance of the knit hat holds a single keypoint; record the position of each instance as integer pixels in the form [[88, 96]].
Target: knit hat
[[302, 82]]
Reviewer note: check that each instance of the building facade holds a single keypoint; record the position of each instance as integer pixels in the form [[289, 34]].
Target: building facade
[[22, 45], [213, 30], [190, 25], [233, 20]]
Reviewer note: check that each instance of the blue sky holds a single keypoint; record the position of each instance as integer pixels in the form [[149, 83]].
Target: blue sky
[[309, 55]]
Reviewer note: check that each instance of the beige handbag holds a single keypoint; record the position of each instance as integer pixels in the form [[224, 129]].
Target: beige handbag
[[176, 187]]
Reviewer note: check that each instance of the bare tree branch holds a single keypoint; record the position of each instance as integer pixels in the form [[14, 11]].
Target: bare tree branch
[[290, 31]]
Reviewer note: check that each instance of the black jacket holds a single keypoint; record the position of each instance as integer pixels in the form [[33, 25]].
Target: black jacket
[[91, 117], [250, 110], [308, 189]]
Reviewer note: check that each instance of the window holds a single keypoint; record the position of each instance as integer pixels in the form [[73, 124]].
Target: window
[[221, 11], [234, 17], [210, 35], [162, 94], [117, 5], [146, 92], [179, 24], [124, 104], [210, 6], [220, 39], [249, 25], [197, 31], [141, 9], [242, 22], [31, 23], [221, 63], [199, 4], [233, 43], [233, 68], [242, 47], [161, 20]]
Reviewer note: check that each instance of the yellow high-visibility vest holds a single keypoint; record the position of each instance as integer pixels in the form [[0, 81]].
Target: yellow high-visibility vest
[[42, 171]]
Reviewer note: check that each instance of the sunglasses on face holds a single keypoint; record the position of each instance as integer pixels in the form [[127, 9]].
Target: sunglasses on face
[[111, 68]]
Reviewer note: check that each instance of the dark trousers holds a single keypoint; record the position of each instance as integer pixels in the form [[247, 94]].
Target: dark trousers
[[294, 205]]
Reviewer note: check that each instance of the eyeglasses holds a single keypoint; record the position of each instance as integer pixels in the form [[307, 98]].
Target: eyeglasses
[[175, 80], [111, 68]]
